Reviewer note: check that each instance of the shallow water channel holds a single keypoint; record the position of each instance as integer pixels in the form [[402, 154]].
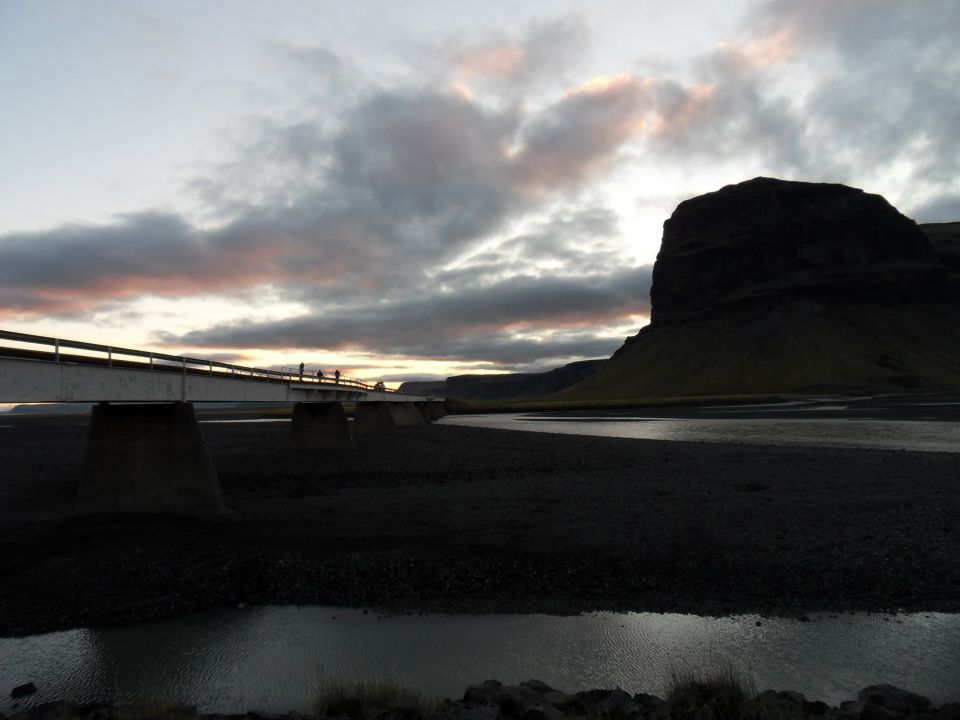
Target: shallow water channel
[[925, 436], [275, 658]]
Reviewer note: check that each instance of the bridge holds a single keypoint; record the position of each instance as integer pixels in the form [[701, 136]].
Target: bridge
[[145, 451]]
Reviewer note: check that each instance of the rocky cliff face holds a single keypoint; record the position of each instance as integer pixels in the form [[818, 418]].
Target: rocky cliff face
[[945, 241], [765, 241], [771, 286]]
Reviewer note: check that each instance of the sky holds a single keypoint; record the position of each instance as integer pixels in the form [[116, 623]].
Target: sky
[[422, 189]]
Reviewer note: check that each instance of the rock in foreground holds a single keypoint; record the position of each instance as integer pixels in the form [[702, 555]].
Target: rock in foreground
[[535, 700]]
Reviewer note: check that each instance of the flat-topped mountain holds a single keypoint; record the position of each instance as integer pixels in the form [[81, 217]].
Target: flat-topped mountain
[[766, 241], [772, 286]]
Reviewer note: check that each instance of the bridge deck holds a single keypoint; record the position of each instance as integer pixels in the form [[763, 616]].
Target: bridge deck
[[35, 368]]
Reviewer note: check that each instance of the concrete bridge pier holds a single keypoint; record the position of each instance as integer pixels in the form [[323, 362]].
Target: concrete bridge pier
[[431, 410], [320, 425], [382, 417], [147, 458], [405, 414]]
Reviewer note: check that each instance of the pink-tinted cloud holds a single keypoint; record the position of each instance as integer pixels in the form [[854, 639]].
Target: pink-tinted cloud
[[581, 135], [767, 49], [73, 270], [541, 51], [503, 61]]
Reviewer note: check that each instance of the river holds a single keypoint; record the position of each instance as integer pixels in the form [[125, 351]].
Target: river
[[276, 658], [924, 424]]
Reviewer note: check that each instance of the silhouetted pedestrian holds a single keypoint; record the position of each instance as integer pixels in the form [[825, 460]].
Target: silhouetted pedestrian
[[301, 371], [320, 375], [336, 374]]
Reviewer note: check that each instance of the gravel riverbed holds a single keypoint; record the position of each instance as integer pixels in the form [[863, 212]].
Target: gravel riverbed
[[467, 520]]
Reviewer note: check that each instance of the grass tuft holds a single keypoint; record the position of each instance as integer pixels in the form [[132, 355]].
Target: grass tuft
[[726, 695], [369, 700]]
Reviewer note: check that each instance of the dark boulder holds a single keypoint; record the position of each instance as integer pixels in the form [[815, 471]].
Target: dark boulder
[[22, 691], [893, 699]]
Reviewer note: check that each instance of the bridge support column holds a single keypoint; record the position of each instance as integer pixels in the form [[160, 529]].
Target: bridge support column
[[439, 409], [370, 418], [423, 407], [405, 414], [320, 425], [430, 410], [147, 458], [381, 417]]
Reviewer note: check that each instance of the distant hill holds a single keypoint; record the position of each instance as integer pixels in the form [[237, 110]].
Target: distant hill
[[516, 386], [772, 286], [423, 387]]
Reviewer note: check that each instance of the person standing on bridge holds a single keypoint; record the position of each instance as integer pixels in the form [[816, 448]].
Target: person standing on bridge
[[301, 371], [336, 374], [320, 375]]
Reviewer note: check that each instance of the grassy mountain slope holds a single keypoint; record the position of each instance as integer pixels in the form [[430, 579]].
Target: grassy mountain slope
[[799, 347]]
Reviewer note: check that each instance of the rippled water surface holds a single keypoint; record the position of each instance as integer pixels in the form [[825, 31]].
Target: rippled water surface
[[930, 436], [275, 658]]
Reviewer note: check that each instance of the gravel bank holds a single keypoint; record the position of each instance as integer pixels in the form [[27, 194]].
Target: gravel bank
[[454, 519]]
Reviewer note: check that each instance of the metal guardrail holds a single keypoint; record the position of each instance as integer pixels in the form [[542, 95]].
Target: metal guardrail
[[169, 363]]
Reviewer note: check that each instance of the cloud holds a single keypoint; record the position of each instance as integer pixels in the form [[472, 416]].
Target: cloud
[[861, 91], [544, 51], [579, 136], [773, 47], [411, 180], [507, 60], [457, 214], [494, 322], [74, 268], [425, 168], [581, 242], [945, 208]]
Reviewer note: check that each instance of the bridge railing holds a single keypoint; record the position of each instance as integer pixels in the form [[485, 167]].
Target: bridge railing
[[310, 376], [56, 350]]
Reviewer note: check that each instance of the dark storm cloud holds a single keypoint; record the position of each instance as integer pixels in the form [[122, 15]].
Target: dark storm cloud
[[408, 179], [425, 168], [444, 324], [77, 266]]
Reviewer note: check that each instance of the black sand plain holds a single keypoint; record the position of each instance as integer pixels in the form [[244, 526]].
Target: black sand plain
[[465, 520]]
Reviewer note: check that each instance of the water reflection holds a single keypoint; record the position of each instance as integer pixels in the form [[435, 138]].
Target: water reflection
[[276, 658], [928, 436]]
